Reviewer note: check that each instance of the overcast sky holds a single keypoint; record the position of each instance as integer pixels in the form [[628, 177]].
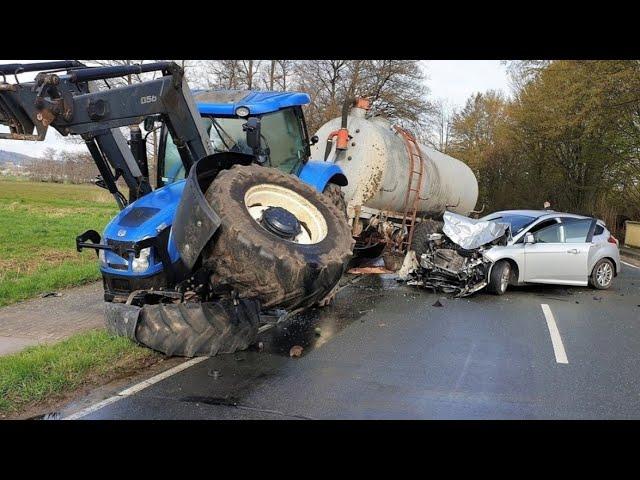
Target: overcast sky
[[453, 80], [456, 80]]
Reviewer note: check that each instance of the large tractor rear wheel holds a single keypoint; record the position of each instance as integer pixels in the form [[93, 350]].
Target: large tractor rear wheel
[[336, 195], [280, 241]]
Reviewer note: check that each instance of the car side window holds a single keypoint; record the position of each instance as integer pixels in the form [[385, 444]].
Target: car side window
[[540, 226], [544, 224], [576, 231], [569, 231], [551, 234]]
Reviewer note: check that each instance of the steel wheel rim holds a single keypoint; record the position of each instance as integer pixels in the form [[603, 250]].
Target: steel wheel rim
[[260, 197], [604, 274], [504, 278]]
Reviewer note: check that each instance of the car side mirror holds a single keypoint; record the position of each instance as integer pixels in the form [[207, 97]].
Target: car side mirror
[[313, 140], [529, 238], [252, 129]]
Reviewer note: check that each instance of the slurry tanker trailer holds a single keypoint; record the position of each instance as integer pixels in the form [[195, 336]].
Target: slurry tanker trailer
[[397, 188]]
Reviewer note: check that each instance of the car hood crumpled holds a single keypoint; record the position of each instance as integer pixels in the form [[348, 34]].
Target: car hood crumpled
[[470, 233]]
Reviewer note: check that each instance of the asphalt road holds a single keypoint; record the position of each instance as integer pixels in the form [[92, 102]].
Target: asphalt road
[[386, 352]]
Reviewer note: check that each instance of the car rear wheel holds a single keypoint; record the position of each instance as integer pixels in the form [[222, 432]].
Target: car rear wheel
[[499, 277], [602, 274]]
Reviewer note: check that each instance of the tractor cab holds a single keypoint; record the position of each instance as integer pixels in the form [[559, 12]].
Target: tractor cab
[[268, 125]]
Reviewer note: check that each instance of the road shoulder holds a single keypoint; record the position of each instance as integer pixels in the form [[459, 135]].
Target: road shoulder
[[51, 319]]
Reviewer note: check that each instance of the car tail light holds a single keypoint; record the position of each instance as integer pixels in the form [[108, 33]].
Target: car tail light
[[612, 239]]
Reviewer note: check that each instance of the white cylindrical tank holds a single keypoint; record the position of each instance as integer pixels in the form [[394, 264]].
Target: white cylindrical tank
[[377, 166]]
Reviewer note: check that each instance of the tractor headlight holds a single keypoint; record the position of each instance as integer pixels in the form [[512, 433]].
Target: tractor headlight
[[141, 264], [242, 112]]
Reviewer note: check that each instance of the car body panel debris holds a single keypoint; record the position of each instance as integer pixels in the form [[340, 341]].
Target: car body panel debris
[[470, 233]]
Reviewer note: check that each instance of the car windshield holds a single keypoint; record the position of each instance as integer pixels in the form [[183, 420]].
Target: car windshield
[[518, 222]]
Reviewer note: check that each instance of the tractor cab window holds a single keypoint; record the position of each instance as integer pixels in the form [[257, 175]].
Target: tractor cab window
[[173, 169], [282, 132]]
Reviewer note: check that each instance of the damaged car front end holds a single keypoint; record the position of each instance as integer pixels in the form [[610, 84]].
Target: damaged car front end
[[454, 261]]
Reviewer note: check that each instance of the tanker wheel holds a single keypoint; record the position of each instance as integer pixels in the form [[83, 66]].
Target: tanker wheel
[[280, 241], [336, 195], [421, 234]]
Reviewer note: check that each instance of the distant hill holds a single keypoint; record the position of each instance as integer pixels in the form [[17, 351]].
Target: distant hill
[[15, 158]]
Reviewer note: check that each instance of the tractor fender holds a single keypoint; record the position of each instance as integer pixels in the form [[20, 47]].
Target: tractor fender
[[196, 220], [318, 174]]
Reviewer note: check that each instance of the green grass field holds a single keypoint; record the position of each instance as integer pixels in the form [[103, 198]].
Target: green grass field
[[38, 226], [47, 373]]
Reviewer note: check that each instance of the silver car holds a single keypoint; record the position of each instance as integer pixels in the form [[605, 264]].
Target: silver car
[[552, 247]]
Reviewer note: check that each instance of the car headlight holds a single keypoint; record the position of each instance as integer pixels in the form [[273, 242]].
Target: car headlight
[[103, 257], [141, 263]]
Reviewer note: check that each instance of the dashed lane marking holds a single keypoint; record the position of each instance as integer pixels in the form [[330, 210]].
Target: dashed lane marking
[[556, 340], [630, 265]]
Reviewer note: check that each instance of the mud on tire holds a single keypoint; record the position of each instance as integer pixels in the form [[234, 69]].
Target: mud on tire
[[336, 195], [245, 257]]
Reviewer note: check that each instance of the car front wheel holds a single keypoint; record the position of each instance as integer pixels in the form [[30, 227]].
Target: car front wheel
[[602, 274], [499, 277]]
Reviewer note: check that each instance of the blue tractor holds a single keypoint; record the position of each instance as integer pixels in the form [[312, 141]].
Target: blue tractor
[[242, 224]]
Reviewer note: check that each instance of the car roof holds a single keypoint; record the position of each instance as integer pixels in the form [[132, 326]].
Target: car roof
[[537, 213], [225, 102]]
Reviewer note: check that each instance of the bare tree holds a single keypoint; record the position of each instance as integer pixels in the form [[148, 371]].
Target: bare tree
[[437, 134], [249, 73], [395, 87], [286, 72]]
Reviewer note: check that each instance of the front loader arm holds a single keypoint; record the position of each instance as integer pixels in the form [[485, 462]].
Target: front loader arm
[[66, 103]]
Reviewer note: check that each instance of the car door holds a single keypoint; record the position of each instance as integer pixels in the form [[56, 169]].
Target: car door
[[560, 253]]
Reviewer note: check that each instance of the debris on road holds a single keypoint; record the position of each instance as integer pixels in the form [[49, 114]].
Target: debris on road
[[50, 294], [295, 351]]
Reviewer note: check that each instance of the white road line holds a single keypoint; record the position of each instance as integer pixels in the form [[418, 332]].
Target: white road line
[[556, 341], [136, 388], [630, 264]]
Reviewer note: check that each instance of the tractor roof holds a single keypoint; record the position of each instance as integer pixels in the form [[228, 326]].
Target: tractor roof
[[225, 102]]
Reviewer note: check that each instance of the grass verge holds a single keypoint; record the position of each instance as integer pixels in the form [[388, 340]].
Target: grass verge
[[47, 373], [38, 226]]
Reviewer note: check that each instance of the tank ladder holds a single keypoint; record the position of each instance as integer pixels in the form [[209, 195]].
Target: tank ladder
[[410, 205]]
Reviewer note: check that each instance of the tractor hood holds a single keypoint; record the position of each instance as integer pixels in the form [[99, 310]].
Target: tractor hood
[[146, 216]]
